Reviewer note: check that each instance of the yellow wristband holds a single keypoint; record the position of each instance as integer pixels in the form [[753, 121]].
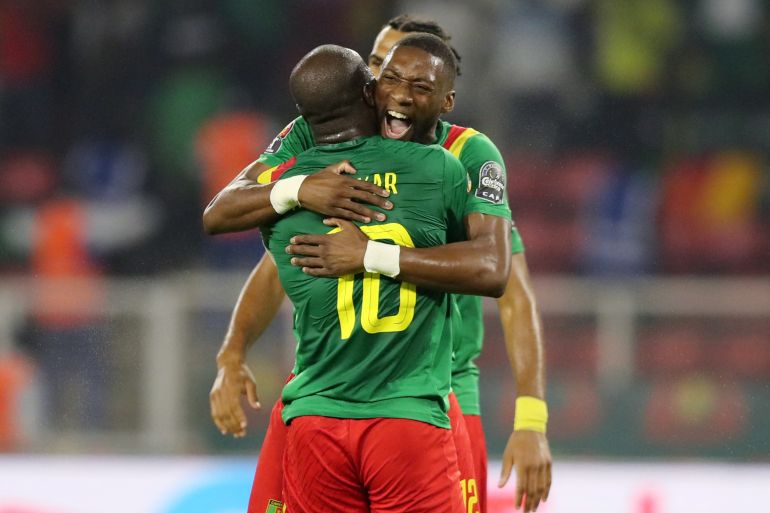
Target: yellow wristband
[[531, 414]]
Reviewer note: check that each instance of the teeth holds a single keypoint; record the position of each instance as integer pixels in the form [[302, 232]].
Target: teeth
[[397, 115]]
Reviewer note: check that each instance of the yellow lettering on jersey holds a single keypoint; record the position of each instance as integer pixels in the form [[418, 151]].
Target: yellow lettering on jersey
[[390, 183], [371, 322]]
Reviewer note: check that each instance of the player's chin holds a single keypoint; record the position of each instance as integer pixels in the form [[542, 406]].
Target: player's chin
[[399, 135]]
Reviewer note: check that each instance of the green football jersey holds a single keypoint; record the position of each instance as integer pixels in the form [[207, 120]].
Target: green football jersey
[[370, 346], [486, 169], [481, 159]]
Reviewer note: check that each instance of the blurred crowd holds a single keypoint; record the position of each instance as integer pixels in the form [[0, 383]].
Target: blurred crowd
[[636, 135], [636, 132]]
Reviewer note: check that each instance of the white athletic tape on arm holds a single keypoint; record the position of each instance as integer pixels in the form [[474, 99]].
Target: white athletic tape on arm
[[382, 258], [284, 195]]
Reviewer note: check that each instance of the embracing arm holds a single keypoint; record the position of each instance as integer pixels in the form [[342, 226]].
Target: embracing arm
[[478, 266], [242, 204], [257, 305], [245, 203]]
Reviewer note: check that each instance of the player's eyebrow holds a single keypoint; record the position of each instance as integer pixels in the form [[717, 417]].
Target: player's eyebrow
[[375, 56]]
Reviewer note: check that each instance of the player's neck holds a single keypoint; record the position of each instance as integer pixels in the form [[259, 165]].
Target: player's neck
[[429, 137], [345, 128], [341, 135]]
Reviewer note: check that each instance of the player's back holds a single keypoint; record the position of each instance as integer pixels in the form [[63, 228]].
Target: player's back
[[370, 346]]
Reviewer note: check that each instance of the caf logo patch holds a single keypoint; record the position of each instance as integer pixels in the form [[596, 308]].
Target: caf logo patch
[[491, 182], [278, 141]]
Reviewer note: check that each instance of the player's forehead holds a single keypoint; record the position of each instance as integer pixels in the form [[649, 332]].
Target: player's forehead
[[385, 40], [413, 63]]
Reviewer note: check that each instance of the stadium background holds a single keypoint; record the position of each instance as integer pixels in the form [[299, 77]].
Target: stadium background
[[636, 135]]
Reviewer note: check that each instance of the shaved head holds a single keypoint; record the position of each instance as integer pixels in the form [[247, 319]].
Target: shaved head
[[329, 83]]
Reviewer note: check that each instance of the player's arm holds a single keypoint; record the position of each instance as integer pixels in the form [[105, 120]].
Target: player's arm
[[256, 307], [527, 448], [478, 266], [254, 199]]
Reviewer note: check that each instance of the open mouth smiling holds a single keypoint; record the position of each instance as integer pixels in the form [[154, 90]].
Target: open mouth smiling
[[395, 125]]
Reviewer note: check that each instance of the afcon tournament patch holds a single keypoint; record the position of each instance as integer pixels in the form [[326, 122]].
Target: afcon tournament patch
[[278, 141], [491, 182], [274, 506]]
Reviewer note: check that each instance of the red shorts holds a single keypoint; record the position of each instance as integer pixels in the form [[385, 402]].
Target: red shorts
[[378, 465], [465, 457], [479, 449], [266, 490]]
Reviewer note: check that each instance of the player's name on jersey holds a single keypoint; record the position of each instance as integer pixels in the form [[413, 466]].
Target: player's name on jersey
[[385, 180]]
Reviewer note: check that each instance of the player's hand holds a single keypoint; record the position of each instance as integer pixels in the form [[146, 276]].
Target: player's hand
[[530, 453], [333, 255], [233, 380], [330, 193]]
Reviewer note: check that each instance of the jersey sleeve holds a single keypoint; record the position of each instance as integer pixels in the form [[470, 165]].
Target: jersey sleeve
[[486, 169], [517, 245], [295, 138], [455, 187]]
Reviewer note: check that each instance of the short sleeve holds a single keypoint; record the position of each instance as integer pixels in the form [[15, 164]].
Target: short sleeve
[[295, 138], [486, 170], [455, 187], [517, 244]]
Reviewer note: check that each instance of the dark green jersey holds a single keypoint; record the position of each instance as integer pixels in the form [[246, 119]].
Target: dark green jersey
[[369, 346], [486, 169]]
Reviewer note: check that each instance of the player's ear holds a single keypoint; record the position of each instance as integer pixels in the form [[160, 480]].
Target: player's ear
[[369, 92], [449, 102]]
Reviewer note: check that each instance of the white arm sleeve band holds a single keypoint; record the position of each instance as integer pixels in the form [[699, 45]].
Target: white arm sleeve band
[[284, 195], [382, 258]]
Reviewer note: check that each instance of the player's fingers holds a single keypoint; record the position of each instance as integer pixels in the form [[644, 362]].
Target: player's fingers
[[342, 224], [217, 413], [319, 272], [371, 194], [547, 481], [251, 395], [521, 486], [344, 167], [534, 493], [303, 249], [310, 262], [505, 472], [368, 187], [358, 208], [543, 484], [350, 215], [312, 240]]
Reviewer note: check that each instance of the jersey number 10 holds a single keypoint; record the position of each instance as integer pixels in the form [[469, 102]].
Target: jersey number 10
[[370, 320]]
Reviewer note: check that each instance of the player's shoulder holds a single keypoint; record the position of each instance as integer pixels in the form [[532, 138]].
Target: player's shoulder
[[464, 142], [410, 149], [298, 128]]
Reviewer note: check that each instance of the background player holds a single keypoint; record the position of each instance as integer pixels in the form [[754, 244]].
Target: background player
[[366, 410], [527, 449]]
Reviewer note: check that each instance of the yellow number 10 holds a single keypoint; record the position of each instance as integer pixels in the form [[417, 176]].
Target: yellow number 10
[[370, 320]]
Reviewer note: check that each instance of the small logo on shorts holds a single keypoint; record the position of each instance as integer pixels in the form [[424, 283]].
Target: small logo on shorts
[[274, 506], [491, 182]]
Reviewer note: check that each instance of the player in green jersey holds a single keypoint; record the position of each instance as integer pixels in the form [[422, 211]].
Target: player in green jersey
[[527, 449], [369, 347]]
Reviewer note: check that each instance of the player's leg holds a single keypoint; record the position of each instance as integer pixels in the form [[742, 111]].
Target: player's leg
[[266, 495], [479, 449], [408, 466], [319, 474], [469, 483]]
